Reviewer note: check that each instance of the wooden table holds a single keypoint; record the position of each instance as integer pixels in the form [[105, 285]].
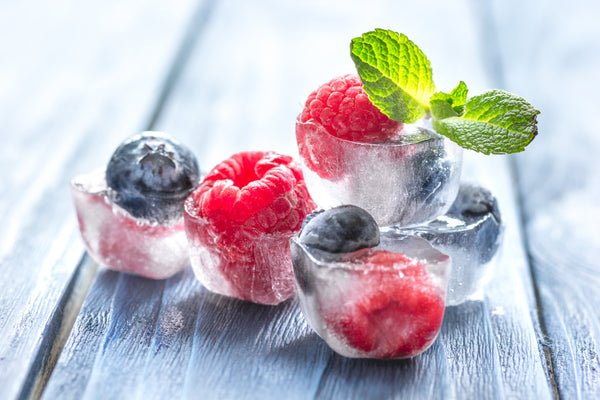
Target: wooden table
[[76, 78]]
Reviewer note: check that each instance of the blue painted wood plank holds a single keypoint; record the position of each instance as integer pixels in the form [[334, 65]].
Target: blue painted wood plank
[[555, 64], [509, 296], [244, 350], [425, 376], [164, 369], [92, 324], [472, 359], [74, 80]]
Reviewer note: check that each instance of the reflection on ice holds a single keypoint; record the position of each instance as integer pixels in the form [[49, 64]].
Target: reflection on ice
[[410, 179], [470, 233]]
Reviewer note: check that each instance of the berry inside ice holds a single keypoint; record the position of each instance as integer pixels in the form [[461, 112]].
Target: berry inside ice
[[239, 222], [366, 295], [342, 229], [474, 201], [389, 315], [150, 175], [340, 109], [344, 109]]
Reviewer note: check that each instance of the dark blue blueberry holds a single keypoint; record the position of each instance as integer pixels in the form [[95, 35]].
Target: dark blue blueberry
[[150, 175], [473, 202], [342, 229], [432, 175], [478, 209]]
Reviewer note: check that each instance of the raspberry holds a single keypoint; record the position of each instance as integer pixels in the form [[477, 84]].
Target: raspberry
[[396, 313], [343, 108], [245, 202], [339, 109]]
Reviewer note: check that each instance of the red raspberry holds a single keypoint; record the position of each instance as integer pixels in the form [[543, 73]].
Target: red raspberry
[[340, 108], [343, 108], [392, 315], [248, 197]]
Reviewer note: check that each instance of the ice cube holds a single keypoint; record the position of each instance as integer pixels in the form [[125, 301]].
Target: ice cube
[[117, 240], [381, 302], [261, 273], [409, 179], [239, 222], [470, 233]]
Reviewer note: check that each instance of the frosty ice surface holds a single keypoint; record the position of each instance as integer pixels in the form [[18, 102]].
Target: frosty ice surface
[[411, 179], [383, 302], [470, 233], [262, 275], [239, 221], [121, 242]]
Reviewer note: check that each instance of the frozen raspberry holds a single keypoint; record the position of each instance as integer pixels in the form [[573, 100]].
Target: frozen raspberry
[[344, 109], [239, 222], [391, 315]]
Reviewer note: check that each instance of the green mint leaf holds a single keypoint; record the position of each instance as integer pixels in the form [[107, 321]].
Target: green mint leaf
[[494, 122], [444, 105], [395, 73]]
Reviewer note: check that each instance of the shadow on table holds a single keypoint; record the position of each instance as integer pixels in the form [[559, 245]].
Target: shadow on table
[[232, 348]]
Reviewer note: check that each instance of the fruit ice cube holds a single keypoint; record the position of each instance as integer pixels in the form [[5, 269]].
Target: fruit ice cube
[[117, 240], [471, 233], [352, 153], [150, 175], [239, 222], [131, 212], [385, 301], [407, 179]]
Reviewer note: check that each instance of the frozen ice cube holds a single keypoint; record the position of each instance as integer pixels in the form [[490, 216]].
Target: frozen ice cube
[[119, 241], [381, 302], [239, 222], [261, 273], [470, 233], [409, 179]]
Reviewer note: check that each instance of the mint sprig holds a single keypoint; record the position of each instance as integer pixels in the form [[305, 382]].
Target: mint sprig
[[395, 73], [494, 122], [398, 79], [444, 105]]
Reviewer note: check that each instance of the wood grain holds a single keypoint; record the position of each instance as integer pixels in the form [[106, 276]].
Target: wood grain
[[75, 80], [555, 65], [249, 72]]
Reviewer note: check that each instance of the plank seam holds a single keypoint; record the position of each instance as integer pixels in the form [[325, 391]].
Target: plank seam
[[197, 24], [59, 329], [494, 58], [543, 340]]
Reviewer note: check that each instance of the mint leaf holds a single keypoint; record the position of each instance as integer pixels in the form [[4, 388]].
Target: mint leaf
[[395, 73], [444, 105], [495, 122]]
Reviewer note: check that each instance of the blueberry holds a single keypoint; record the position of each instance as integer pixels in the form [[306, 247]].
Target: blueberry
[[478, 208], [433, 173], [340, 230], [474, 201], [150, 175]]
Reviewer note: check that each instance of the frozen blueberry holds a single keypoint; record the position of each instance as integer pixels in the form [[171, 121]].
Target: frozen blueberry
[[474, 201], [342, 229], [434, 174], [150, 175], [478, 209]]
